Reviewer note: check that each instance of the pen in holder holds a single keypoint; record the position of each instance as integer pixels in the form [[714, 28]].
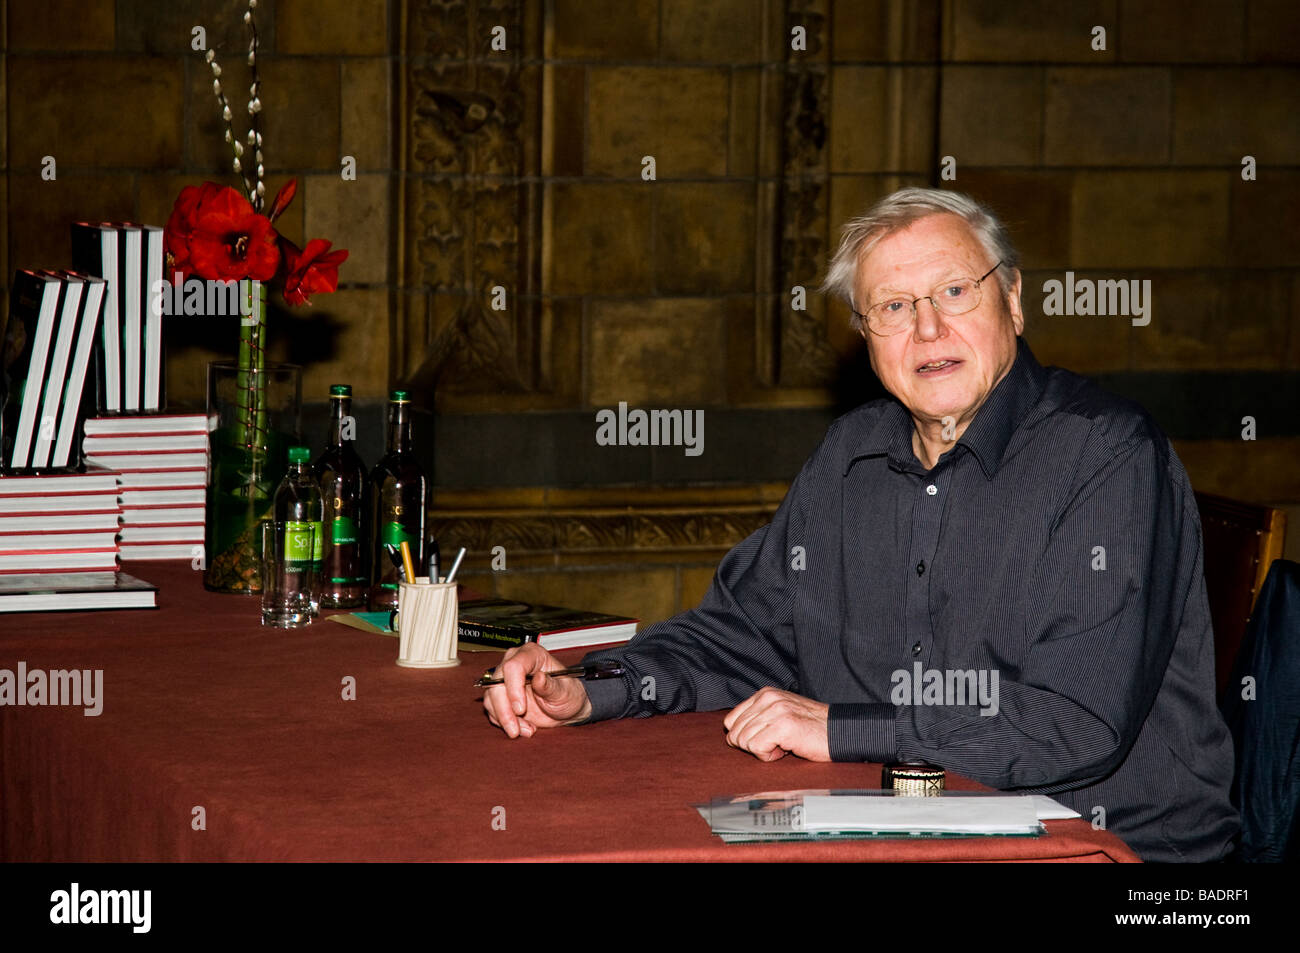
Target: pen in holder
[[425, 620]]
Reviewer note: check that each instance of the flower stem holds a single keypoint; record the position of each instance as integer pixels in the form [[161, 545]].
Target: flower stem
[[251, 379]]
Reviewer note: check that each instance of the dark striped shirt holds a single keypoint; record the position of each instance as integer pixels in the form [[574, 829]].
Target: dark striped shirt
[[1056, 545]]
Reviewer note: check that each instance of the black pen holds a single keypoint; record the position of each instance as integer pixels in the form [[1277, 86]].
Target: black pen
[[395, 555], [435, 554], [587, 673]]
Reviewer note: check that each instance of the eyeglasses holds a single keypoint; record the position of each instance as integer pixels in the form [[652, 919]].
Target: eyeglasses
[[950, 298]]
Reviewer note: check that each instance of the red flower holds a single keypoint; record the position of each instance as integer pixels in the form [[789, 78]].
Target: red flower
[[180, 226], [314, 270], [214, 232], [283, 198]]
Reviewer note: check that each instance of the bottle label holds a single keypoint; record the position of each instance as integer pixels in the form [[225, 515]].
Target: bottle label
[[318, 542], [297, 545], [344, 531], [395, 534]]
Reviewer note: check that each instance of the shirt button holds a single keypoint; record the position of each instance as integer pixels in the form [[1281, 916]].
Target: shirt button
[[916, 649], [932, 489], [920, 568]]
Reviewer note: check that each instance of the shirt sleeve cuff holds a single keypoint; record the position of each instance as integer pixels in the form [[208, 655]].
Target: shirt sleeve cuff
[[608, 697], [861, 732]]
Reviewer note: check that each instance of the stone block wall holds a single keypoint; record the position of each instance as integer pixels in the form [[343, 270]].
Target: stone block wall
[[513, 263], [115, 93]]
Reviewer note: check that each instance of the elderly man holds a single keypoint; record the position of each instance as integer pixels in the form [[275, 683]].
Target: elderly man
[[995, 517]]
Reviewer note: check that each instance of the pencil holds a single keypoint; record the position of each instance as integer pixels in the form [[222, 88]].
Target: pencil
[[407, 566]]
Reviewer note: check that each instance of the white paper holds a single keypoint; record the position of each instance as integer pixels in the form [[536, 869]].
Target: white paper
[[943, 815], [1050, 810]]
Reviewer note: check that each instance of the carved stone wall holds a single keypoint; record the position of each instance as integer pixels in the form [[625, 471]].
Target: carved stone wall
[[805, 356], [523, 171], [470, 151], [646, 553]]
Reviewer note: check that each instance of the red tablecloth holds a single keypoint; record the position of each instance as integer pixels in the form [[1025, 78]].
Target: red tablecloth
[[204, 709]]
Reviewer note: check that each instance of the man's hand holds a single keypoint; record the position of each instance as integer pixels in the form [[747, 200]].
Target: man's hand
[[520, 707], [771, 723]]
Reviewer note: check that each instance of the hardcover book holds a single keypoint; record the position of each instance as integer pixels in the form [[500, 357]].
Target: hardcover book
[[28, 337], [74, 592], [95, 252], [75, 403], [65, 334], [129, 258], [504, 623]]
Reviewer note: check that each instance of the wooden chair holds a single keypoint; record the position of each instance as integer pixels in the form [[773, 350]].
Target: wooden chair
[[1241, 540]]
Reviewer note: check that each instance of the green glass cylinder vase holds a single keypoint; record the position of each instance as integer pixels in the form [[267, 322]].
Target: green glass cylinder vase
[[254, 415]]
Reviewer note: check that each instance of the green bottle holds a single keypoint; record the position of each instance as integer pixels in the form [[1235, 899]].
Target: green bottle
[[344, 580], [397, 499], [298, 500]]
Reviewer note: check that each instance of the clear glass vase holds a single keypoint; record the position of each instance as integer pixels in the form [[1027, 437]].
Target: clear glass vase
[[254, 415]]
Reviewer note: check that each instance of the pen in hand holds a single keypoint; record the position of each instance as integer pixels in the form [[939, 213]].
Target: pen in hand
[[585, 672]]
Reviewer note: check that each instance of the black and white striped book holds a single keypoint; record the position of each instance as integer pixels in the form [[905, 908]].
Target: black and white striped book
[[30, 334]]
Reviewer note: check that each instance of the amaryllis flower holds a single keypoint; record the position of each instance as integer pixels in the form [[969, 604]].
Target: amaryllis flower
[[282, 199], [313, 270], [180, 226], [219, 236]]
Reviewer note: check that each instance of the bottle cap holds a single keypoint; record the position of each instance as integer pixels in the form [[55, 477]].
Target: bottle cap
[[340, 390], [299, 454], [399, 397]]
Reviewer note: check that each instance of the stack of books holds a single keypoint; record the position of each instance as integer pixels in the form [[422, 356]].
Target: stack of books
[[129, 258], [161, 465], [47, 345], [59, 522], [58, 545]]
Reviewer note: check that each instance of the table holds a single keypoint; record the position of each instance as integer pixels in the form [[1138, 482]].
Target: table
[[208, 717]]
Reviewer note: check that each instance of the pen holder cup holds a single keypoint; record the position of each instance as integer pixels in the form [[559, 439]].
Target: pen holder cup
[[426, 623]]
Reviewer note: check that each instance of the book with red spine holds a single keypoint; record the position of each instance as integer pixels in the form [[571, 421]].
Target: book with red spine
[[128, 462], [59, 561], [156, 424], [161, 462], [12, 544], [186, 478], [59, 522], [162, 515], [157, 551]]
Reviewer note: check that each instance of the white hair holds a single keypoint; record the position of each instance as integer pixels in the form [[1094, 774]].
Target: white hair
[[899, 210]]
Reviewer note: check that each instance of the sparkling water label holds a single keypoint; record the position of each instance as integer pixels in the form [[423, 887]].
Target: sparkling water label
[[298, 546], [344, 531], [318, 541]]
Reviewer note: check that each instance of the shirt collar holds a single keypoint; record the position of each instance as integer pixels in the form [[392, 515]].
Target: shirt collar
[[987, 435]]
